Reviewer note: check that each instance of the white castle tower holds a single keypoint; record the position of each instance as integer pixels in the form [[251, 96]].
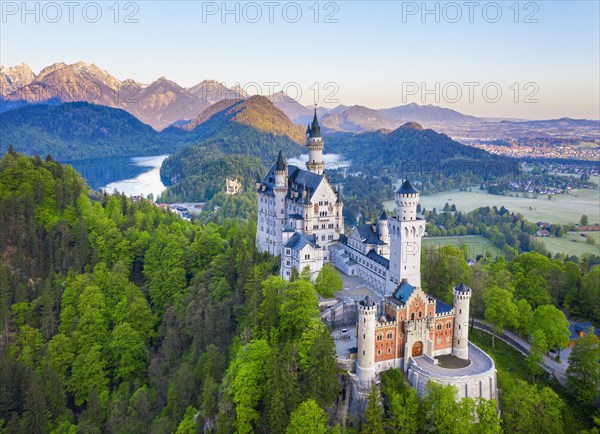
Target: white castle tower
[[406, 232], [383, 229], [280, 190], [462, 295], [365, 359], [314, 143]]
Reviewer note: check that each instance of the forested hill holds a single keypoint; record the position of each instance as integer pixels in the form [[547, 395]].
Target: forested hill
[[197, 174], [80, 130], [252, 127], [120, 317], [77, 130], [421, 154]]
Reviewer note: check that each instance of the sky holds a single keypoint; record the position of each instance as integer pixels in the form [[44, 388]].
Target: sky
[[535, 60]]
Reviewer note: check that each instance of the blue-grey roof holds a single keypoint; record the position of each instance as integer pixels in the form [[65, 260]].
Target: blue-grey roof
[[373, 255], [288, 228], [298, 181], [315, 129], [368, 234], [577, 327], [404, 291], [462, 287], [298, 241], [368, 301], [441, 307], [383, 216], [295, 216], [407, 188], [280, 163]]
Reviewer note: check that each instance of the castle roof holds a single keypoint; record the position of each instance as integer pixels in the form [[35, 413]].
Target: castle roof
[[407, 188], [368, 302], [299, 180], [462, 287], [441, 307], [315, 129], [280, 163], [374, 256], [368, 235], [383, 216], [404, 291], [298, 241]]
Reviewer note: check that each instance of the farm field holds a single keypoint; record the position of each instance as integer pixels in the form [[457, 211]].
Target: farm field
[[476, 244], [562, 208], [572, 244]]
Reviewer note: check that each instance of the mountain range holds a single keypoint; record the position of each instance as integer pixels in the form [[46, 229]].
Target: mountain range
[[164, 103]]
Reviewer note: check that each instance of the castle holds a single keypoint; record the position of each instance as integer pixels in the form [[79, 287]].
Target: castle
[[299, 212], [300, 218]]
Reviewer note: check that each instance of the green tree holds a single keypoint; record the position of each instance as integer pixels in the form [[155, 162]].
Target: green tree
[[317, 361], [88, 374], [248, 375], [299, 306], [487, 416], [527, 409], [188, 424], [500, 310], [328, 281], [308, 418], [373, 423], [553, 323], [583, 372], [443, 413], [584, 221], [538, 348]]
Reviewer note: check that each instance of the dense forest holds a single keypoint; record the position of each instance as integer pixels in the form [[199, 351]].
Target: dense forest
[[73, 131], [119, 317], [197, 174], [436, 161]]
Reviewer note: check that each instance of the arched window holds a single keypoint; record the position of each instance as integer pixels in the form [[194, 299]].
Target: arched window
[[412, 316], [390, 335], [420, 314], [449, 324], [379, 352], [439, 326], [379, 336], [389, 351]]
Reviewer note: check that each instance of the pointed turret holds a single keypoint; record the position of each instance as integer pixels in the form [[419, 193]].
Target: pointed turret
[[315, 128], [280, 163], [314, 143], [308, 130]]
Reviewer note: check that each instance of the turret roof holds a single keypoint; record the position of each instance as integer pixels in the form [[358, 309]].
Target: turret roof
[[462, 287], [315, 129], [407, 188], [280, 163]]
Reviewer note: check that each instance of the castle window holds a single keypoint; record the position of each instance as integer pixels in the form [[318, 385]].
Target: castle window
[[439, 326], [412, 316], [379, 352], [379, 337], [390, 335], [363, 352], [448, 324], [389, 351], [459, 342], [420, 314]]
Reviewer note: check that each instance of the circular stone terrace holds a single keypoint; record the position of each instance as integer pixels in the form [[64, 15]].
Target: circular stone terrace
[[475, 377]]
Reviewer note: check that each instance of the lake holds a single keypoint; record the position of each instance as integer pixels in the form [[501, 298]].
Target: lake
[[130, 175], [332, 161]]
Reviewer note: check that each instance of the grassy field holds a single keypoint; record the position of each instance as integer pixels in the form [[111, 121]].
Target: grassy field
[[572, 244], [562, 208], [476, 244]]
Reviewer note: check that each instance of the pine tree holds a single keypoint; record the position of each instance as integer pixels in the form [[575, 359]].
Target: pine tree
[[373, 423]]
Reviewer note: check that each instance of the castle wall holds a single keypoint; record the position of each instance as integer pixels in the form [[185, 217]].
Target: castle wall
[[475, 384]]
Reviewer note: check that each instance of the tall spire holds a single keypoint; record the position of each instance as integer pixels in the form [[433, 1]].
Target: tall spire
[[315, 129], [280, 163]]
